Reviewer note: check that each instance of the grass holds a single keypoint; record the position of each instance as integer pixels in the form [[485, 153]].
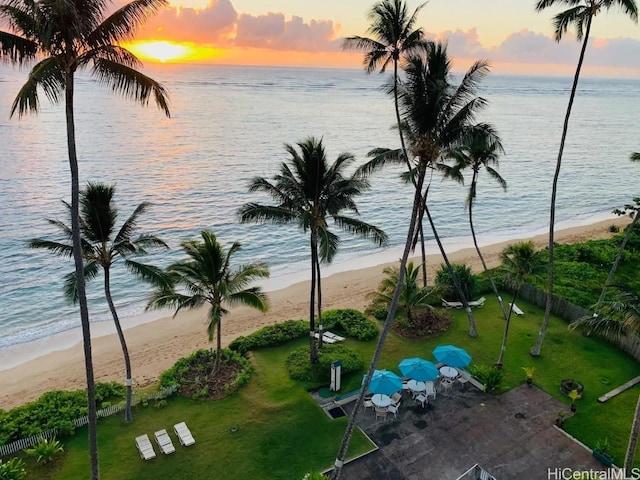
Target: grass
[[280, 432]]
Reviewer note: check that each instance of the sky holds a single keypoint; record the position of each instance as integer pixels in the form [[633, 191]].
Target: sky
[[508, 33]]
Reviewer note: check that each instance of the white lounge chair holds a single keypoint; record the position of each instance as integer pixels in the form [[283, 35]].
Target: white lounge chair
[[451, 304], [164, 442], [184, 434], [478, 303], [145, 447], [516, 310], [325, 338], [332, 336]]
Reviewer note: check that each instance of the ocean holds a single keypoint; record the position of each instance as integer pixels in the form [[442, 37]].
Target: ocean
[[230, 124]]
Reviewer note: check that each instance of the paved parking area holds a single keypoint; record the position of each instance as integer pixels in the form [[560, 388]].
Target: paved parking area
[[511, 435]]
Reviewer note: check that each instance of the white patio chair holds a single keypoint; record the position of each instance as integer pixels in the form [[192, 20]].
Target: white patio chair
[[463, 378], [430, 391], [396, 398], [393, 408], [422, 399], [145, 448], [445, 385], [164, 442], [184, 434], [381, 412], [367, 404]]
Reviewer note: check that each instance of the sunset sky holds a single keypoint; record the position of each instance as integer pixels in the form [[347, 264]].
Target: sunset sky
[[509, 33]]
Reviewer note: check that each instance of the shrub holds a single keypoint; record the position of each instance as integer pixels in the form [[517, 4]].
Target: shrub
[[490, 377], [271, 336], [427, 323], [12, 469], [45, 450], [353, 322], [302, 370], [377, 312], [108, 391], [613, 228], [465, 277]]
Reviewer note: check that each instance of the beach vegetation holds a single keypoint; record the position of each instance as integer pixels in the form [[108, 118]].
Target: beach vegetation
[[270, 336], [466, 281], [206, 277], [102, 246], [490, 376], [45, 450], [426, 323], [352, 322], [309, 192], [59, 39], [301, 370], [479, 151], [12, 469], [580, 15], [520, 261]]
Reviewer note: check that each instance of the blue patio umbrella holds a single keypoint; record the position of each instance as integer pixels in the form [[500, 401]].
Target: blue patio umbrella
[[385, 382], [418, 369], [452, 356]]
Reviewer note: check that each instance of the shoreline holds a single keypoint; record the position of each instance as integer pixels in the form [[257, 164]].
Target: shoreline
[[156, 343]]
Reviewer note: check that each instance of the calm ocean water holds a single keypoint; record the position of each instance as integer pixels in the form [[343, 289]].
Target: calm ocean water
[[230, 123]]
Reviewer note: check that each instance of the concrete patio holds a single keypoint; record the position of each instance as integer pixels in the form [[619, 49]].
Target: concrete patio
[[511, 435]]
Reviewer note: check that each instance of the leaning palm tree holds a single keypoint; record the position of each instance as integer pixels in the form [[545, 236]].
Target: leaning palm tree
[[481, 151], [437, 116], [62, 38], [393, 39], [519, 261], [580, 14], [617, 318], [102, 246], [309, 191], [206, 277]]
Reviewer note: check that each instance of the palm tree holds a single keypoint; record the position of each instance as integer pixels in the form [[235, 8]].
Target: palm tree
[[617, 318], [100, 248], [309, 191], [580, 14], [393, 39], [519, 261], [480, 152], [437, 116], [61, 38], [207, 277]]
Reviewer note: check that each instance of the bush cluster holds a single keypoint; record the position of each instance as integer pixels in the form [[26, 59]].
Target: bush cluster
[[12, 469], [353, 322], [302, 370], [55, 409], [489, 376], [270, 336]]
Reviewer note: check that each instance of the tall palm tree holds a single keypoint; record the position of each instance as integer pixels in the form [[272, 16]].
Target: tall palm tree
[[437, 116], [393, 38], [480, 152], [101, 249], [618, 317], [206, 277], [308, 191], [580, 14], [519, 261], [61, 38]]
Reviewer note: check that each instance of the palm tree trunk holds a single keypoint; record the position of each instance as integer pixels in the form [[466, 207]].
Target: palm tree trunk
[[423, 251], [313, 354], [123, 343], [79, 268], [503, 347], [535, 350], [616, 262], [633, 439], [484, 264], [473, 332], [319, 290], [346, 439]]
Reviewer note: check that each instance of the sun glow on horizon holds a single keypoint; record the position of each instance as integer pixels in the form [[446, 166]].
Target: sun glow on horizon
[[167, 51]]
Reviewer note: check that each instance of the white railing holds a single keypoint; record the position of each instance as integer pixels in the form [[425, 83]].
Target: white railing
[[23, 443]]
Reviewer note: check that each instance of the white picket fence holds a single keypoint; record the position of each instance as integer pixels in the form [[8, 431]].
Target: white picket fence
[[29, 442]]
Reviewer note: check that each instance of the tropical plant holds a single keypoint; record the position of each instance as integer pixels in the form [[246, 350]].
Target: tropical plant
[[308, 191], [45, 450], [520, 261], [102, 246], [580, 15], [62, 38], [207, 277], [12, 469], [481, 151], [413, 298], [465, 277], [529, 372], [436, 115], [618, 317], [393, 39]]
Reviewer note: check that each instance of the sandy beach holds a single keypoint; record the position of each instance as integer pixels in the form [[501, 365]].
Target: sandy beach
[[156, 345]]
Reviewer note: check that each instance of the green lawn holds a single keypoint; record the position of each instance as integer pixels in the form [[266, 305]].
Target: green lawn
[[282, 433]]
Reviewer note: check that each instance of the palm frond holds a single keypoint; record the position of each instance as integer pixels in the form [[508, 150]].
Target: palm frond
[[362, 229], [130, 83], [47, 75], [61, 249], [380, 157], [13, 48], [150, 273], [252, 297], [123, 24], [131, 223], [256, 213], [70, 285]]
